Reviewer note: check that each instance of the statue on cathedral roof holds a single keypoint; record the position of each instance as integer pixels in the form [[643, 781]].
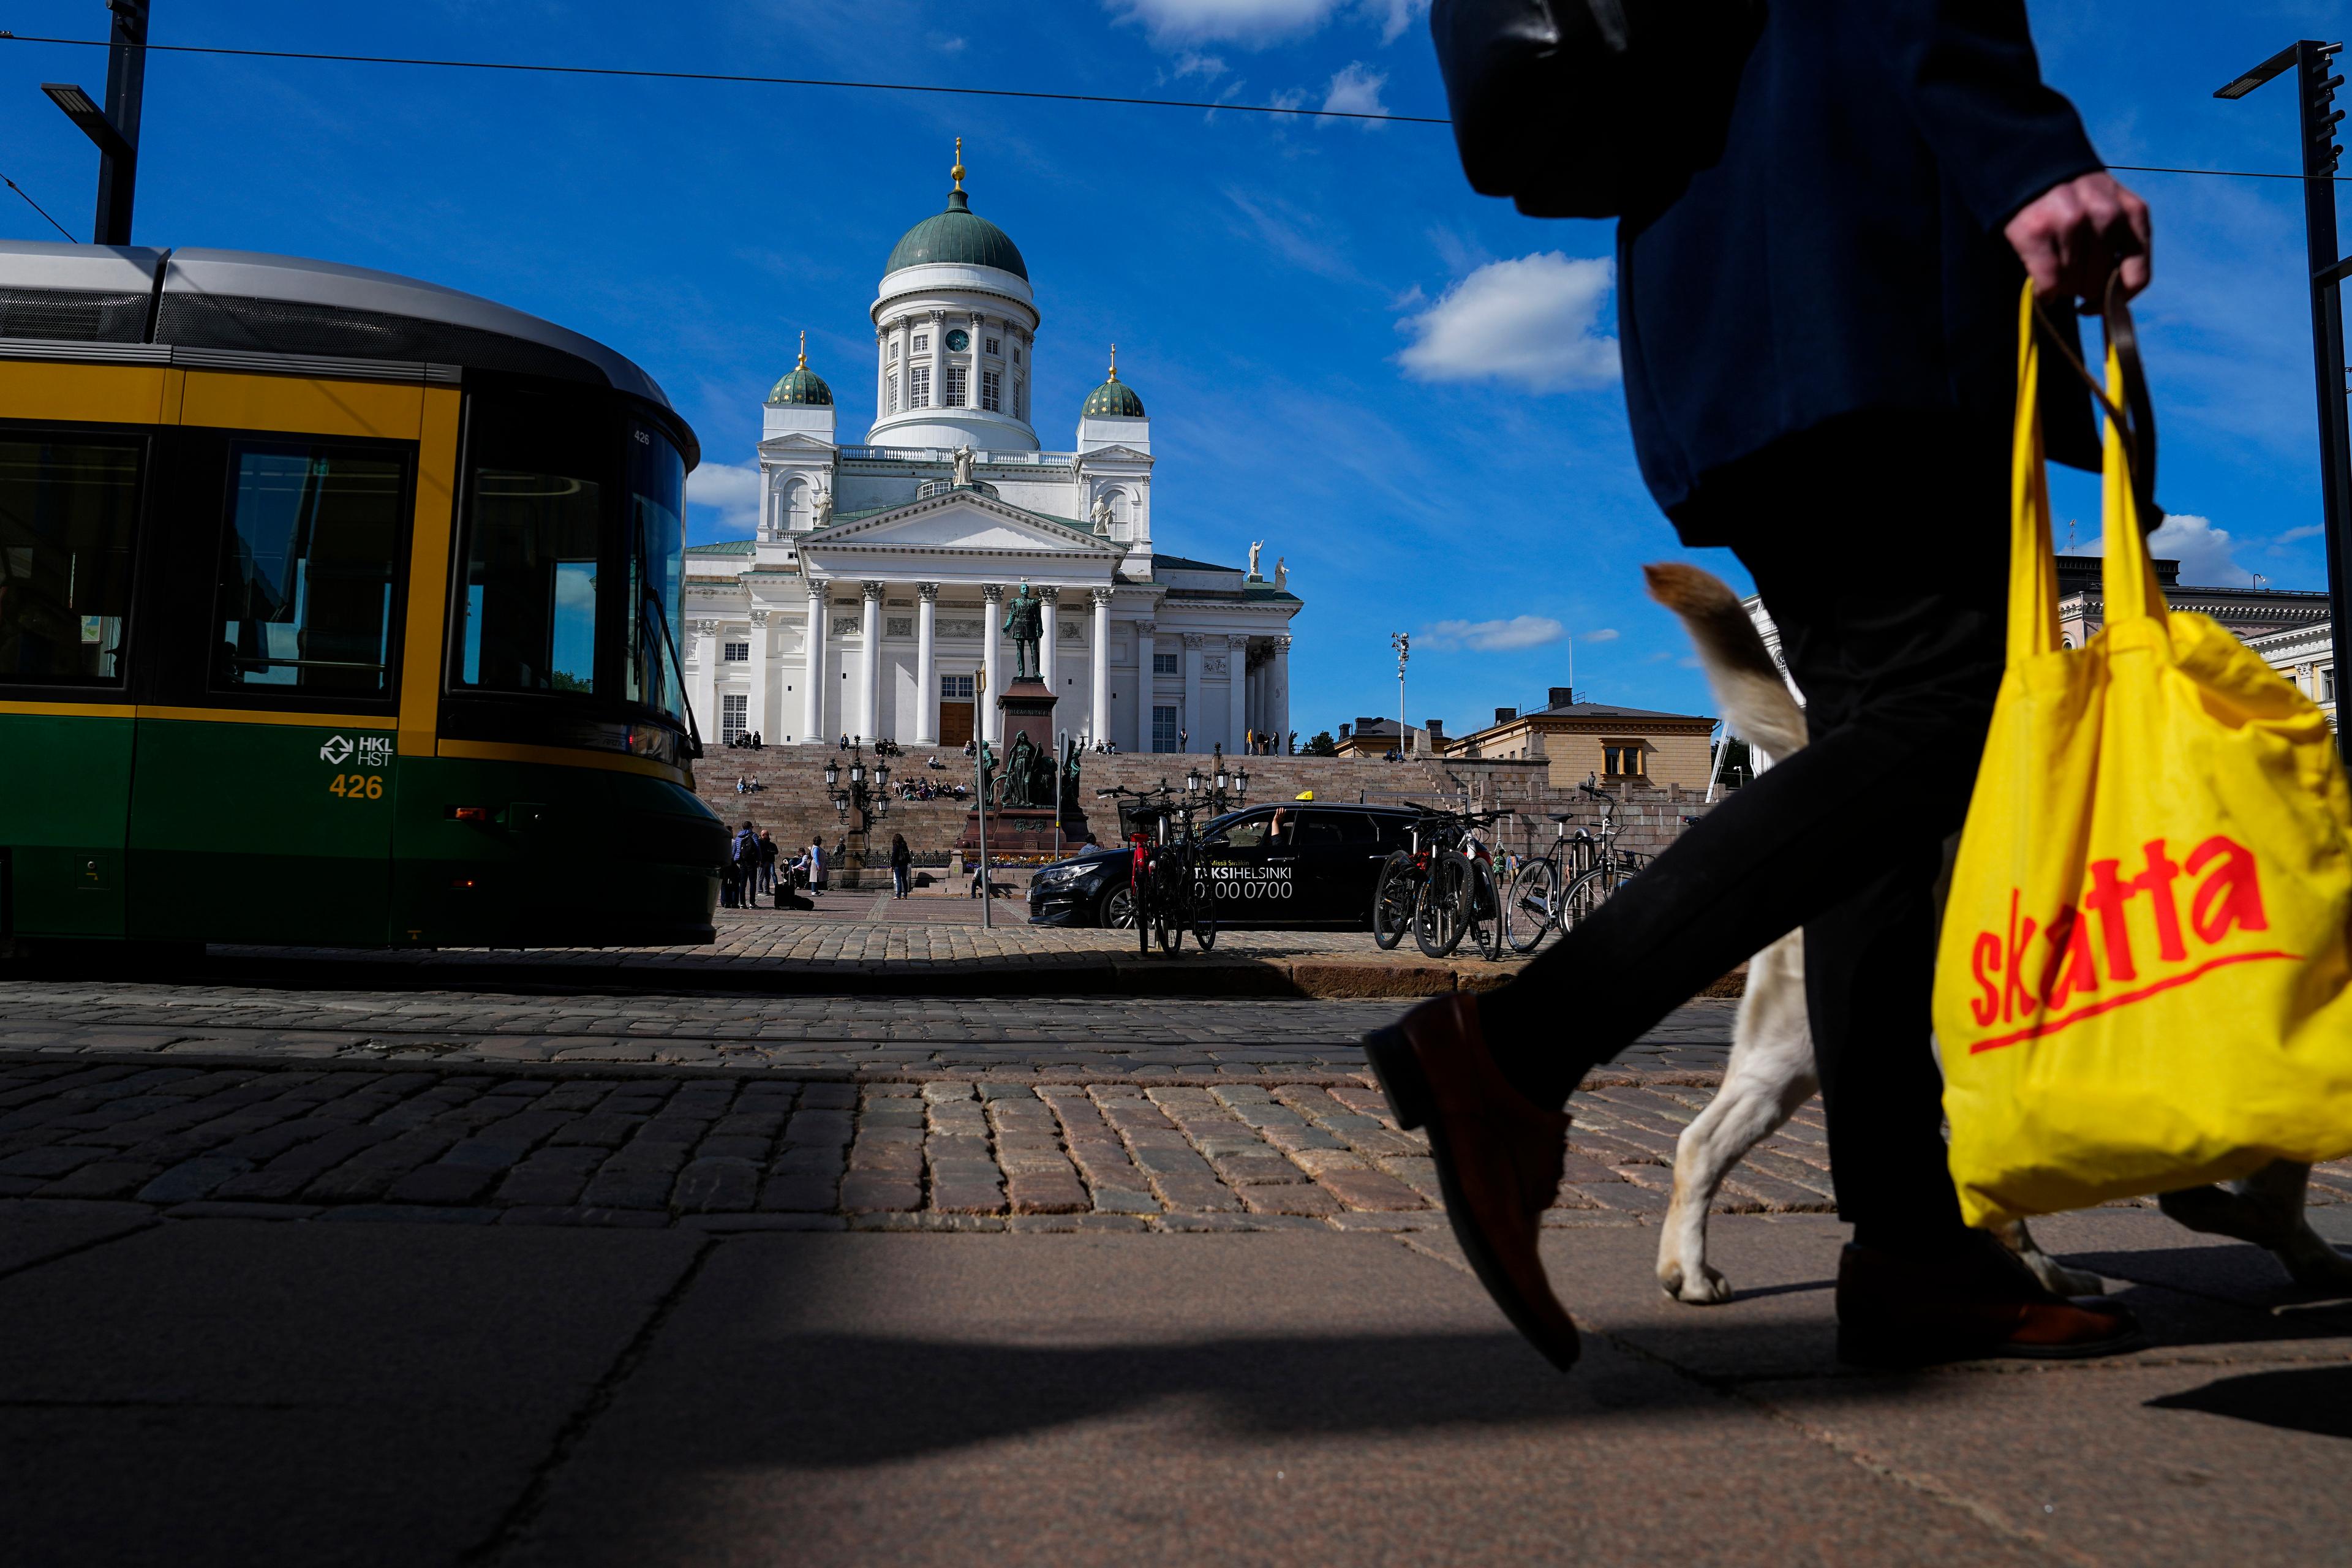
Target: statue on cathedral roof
[[963, 460]]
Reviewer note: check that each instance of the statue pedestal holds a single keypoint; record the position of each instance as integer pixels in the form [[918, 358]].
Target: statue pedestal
[[1023, 834]]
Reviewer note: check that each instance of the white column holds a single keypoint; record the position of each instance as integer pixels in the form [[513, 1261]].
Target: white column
[[812, 669], [927, 664], [1048, 630], [1279, 693], [706, 651], [881, 371], [1098, 718], [1193, 722], [1143, 630], [869, 664], [1237, 717], [939, 358], [763, 681], [991, 617]]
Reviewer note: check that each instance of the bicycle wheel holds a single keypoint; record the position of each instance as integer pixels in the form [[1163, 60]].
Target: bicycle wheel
[[1437, 913], [1482, 920], [1533, 906], [1204, 927], [1144, 905], [1587, 893], [1392, 900]]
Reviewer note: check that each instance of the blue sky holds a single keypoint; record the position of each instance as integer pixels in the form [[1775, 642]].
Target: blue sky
[[1409, 391]]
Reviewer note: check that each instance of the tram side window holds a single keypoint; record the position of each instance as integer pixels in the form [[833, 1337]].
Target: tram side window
[[68, 512], [530, 607], [309, 571]]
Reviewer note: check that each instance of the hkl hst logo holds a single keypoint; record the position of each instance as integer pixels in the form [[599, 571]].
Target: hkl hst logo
[[2072, 964]]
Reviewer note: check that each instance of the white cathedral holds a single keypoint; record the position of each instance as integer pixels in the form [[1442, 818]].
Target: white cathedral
[[869, 603]]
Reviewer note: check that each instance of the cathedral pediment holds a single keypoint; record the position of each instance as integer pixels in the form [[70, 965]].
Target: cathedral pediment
[[963, 522], [797, 443]]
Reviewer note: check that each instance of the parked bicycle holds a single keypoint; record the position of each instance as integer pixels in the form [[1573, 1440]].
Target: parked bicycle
[[1164, 896], [1440, 888], [1570, 880]]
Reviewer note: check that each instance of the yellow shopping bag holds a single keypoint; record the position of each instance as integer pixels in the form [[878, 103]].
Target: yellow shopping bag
[[2142, 979]]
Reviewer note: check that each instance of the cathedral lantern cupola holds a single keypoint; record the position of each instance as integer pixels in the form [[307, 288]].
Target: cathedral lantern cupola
[[955, 334], [1114, 399], [800, 387]]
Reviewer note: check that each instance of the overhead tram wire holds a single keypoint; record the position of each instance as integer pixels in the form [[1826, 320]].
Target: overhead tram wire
[[748, 80], [40, 210], [6, 36]]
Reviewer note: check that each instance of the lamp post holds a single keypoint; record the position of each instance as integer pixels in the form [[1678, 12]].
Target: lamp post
[[2313, 66], [866, 795], [1402, 643], [980, 779], [115, 129]]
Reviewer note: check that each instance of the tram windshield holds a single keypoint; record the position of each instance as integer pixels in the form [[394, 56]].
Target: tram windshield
[[655, 538]]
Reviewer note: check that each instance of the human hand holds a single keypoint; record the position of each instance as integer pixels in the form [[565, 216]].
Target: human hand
[[2072, 236]]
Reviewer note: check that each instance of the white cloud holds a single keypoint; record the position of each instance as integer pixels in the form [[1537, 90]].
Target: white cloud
[[1606, 634], [947, 45], [1355, 91], [1532, 321], [733, 489], [1494, 636], [1208, 68], [2308, 531], [1258, 22], [2204, 551]]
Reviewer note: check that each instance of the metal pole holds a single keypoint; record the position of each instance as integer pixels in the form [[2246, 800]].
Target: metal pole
[[979, 778], [126, 79], [2315, 87]]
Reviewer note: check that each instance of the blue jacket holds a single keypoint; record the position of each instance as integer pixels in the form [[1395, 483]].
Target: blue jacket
[[1844, 255]]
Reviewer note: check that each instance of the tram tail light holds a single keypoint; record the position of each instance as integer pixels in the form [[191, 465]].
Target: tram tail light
[[480, 815]]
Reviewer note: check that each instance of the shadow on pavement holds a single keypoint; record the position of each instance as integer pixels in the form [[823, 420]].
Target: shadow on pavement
[[2317, 1400]]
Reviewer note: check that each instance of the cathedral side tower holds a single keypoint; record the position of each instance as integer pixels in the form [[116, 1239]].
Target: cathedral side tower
[[955, 333]]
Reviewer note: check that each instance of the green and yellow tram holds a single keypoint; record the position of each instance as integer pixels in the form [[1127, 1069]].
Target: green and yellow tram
[[336, 608]]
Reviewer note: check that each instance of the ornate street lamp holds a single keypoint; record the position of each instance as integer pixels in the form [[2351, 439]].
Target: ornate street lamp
[[1241, 785], [832, 774]]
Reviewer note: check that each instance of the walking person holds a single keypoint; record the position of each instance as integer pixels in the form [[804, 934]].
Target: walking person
[[1817, 327], [817, 870], [902, 865]]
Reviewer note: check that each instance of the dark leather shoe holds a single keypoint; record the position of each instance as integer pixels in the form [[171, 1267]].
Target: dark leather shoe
[[1498, 1157], [1974, 1301]]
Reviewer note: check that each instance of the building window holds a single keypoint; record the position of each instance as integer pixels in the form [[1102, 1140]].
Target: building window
[[734, 716], [1622, 760], [992, 390], [891, 350], [2324, 679], [918, 386], [955, 687], [738, 653], [1020, 398], [890, 391], [1017, 354], [955, 397], [992, 347], [1167, 663], [922, 343], [1163, 725]]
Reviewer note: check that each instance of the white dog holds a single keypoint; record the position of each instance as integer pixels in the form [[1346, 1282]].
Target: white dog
[[1771, 1069]]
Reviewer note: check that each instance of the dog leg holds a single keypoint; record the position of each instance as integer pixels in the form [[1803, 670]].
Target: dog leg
[[2055, 1277], [2266, 1209], [1770, 1074]]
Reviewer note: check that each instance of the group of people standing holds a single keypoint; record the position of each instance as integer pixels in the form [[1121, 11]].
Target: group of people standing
[[750, 871]]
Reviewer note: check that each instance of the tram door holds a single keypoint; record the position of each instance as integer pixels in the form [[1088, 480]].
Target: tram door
[[955, 710], [263, 793]]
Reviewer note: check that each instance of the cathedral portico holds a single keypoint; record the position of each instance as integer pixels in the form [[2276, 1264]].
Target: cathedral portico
[[871, 600]]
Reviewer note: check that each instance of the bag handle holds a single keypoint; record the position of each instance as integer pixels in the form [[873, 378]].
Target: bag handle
[[2135, 416]]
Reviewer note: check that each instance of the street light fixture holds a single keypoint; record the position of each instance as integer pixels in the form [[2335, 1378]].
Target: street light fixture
[[1193, 779], [2316, 79], [832, 774], [114, 128], [1402, 643]]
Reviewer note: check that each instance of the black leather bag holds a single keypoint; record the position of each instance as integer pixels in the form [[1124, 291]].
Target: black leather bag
[[1590, 107]]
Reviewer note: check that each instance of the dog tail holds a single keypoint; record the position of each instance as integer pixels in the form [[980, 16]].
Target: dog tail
[[1756, 701]]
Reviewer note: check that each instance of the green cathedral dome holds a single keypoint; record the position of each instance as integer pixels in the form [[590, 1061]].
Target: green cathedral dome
[[961, 236], [1114, 399], [802, 387]]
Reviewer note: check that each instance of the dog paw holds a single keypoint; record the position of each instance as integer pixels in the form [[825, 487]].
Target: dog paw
[[2311, 1261], [1709, 1289]]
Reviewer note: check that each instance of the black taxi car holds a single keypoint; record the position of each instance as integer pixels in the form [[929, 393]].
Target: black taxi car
[[1293, 864]]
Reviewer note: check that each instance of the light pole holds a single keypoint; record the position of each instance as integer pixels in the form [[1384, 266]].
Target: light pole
[[1402, 643], [115, 129], [2313, 63], [980, 776]]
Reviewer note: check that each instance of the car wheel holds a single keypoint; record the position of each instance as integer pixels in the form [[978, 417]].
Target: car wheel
[[1116, 911]]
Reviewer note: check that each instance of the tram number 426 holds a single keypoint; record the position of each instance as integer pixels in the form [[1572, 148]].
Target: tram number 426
[[357, 786]]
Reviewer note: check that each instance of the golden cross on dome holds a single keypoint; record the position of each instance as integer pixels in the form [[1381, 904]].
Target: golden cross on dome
[[803, 348], [1114, 361], [956, 174]]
